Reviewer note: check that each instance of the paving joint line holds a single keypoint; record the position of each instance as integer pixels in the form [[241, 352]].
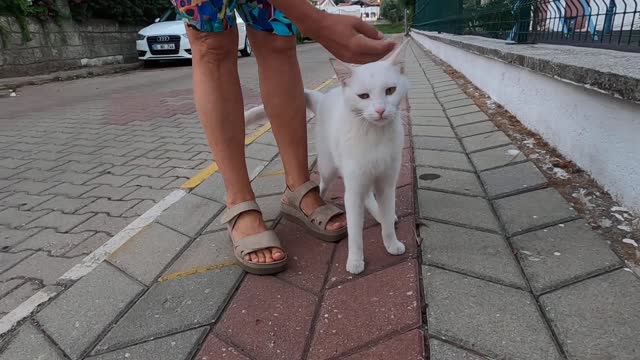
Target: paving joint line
[[519, 191]]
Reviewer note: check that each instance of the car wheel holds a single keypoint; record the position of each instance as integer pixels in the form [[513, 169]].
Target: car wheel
[[247, 48]]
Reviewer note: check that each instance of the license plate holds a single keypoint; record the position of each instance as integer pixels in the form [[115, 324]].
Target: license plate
[[164, 46]]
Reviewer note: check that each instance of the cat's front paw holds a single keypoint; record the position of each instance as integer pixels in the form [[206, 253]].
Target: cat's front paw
[[355, 266], [395, 248]]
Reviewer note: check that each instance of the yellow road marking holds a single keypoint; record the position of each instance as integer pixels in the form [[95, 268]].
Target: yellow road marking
[[201, 269], [213, 168], [273, 173]]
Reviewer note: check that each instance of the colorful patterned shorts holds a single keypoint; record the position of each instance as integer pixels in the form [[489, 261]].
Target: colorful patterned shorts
[[219, 15]]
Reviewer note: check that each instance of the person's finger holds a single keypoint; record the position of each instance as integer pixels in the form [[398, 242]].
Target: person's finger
[[368, 30], [368, 46]]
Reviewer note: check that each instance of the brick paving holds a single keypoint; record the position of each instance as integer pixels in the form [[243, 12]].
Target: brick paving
[[498, 265]]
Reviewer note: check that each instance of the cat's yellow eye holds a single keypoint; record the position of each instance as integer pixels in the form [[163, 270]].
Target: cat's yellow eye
[[363, 96], [390, 90]]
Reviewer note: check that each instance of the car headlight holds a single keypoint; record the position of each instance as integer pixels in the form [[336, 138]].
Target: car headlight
[[141, 37]]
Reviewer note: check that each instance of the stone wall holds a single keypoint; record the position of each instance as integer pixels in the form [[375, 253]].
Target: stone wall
[[64, 45]]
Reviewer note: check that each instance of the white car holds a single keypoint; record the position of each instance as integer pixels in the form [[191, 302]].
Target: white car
[[166, 39]]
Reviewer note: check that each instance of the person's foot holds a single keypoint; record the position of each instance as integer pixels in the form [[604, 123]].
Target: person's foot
[[311, 201], [251, 223]]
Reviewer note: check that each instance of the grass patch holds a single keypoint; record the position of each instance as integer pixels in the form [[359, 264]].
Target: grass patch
[[391, 28]]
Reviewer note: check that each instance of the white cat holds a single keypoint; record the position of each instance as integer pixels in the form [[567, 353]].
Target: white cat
[[360, 136]]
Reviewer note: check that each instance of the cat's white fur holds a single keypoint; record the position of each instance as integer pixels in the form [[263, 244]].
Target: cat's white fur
[[360, 136]]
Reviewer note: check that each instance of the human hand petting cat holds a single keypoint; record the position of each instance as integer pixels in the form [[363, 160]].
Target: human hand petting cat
[[349, 39]]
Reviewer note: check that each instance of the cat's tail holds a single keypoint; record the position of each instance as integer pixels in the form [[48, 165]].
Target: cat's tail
[[313, 99], [258, 114]]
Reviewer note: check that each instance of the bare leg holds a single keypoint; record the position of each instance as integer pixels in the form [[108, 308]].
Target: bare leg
[[282, 93], [218, 100]]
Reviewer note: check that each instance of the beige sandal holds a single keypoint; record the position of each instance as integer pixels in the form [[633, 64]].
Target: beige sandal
[[249, 244], [316, 222]]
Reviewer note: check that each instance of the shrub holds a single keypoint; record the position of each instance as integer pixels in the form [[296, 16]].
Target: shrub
[[133, 12]]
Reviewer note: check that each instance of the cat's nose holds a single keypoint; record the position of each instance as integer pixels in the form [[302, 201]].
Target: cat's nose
[[380, 110]]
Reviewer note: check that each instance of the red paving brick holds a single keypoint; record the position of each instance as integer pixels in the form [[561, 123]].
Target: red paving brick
[[405, 201], [362, 311], [375, 255], [215, 349], [268, 319], [309, 258], [408, 346]]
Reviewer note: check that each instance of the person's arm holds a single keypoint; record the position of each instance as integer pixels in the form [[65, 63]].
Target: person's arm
[[348, 38]]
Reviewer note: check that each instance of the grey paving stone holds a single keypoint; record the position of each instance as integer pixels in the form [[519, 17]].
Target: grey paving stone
[[470, 118], [187, 164], [181, 155], [512, 178], [6, 183], [145, 161], [24, 201], [563, 254], [443, 351], [147, 171], [442, 159], [267, 139], [433, 143], [449, 180], [117, 170], [89, 245], [154, 183], [175, 347], [13, 163], [104, 223], [31, 343], [493, 158], [148, 252], [10, 237], [181, 173], [113, 180], [597, 318], [174, 305], [460, 306], [40, 266], [73, 177], [270, 206], [485, 141], [15, 218], [430, 121], [212, 188], [438, 131], [268, 183], [77, 166], [31, 187], [190, 214], [59, 221], [70, 190], [457, 103], [55, 243], [261, 151], [139, 209], [64, 204], [110, 192], [525, 211], [79, 316], [432, 113], [175, 184], [10, 285], [208, 250], [19, 295], [33, 174], [113, 208], [115, 160], [145, 193], [7, 260], [470, 211], [446, 99], [450, 92], [475, 129], [424, 105], [471, 252]]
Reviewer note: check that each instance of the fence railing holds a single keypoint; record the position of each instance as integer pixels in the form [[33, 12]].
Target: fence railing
[[611, 24]]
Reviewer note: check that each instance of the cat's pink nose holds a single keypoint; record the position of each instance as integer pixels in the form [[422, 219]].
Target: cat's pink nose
[[380, 110]]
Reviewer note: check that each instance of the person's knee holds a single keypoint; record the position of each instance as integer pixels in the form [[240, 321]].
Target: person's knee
[[213, 47], [279, 45]]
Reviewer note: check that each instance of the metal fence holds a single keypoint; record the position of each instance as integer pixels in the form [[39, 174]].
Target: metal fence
[[611, 24]]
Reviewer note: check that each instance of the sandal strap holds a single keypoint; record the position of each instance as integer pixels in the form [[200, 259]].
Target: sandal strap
[[294, 198], [323, 214], [231, 214], [252, 243]]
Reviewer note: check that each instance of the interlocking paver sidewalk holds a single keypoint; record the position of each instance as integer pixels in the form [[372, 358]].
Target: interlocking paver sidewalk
[[505, 268]]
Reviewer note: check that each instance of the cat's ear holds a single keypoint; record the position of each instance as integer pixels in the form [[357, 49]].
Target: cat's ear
[[397, 56], [343, 71]]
